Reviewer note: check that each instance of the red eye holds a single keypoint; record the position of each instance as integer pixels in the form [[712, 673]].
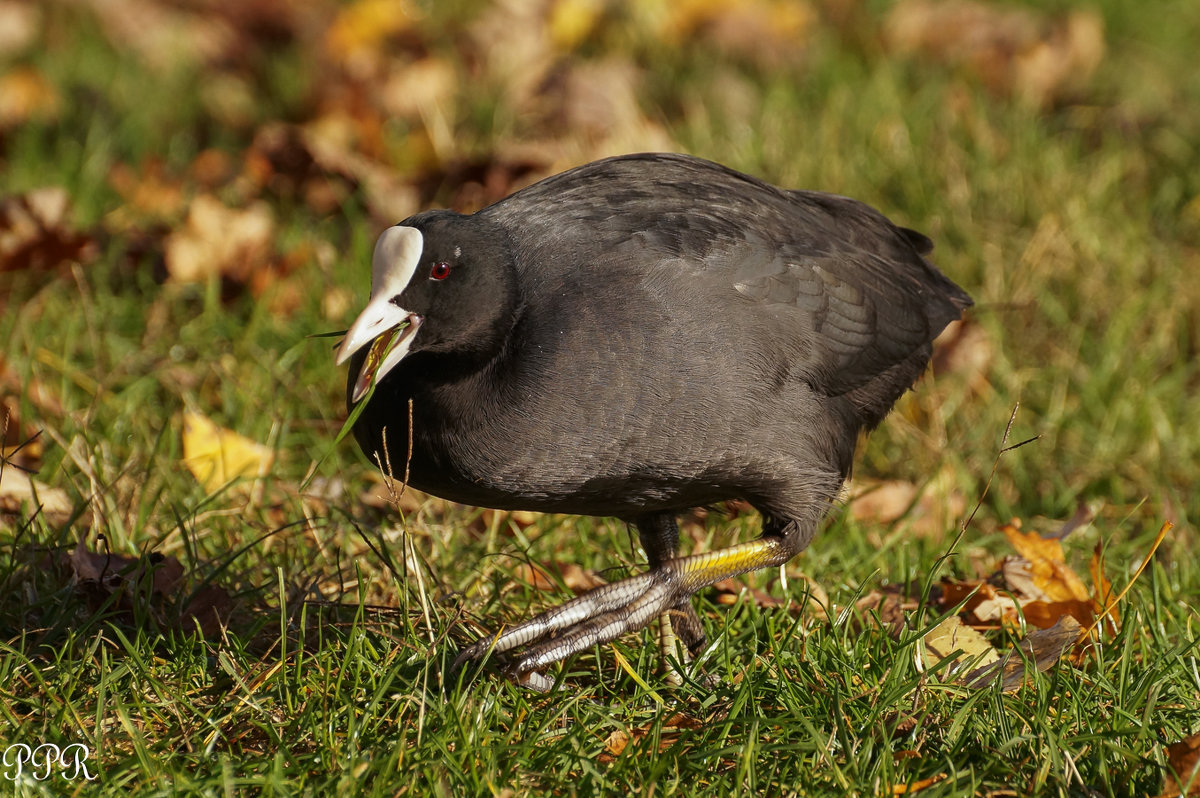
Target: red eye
[[440, 271]]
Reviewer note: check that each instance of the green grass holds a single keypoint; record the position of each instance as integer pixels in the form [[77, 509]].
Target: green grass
[[1076, 228]]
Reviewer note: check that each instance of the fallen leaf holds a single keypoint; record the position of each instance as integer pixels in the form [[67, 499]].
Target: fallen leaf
[[929, 509], [21, 447], [119, 582], [890, 606], [1015, 51], [21, 493], [767, 33], [319, 165], [985, 605], [950, 636], [572, 576], [730, 591], [669, 733], [1043, 647], [148, 193], [208, 609], [26, 95], [112, 571], [217, 456], [1183, 758], [357, 36], [219, 241], [35, 232], [1050, 574], [917, 786]]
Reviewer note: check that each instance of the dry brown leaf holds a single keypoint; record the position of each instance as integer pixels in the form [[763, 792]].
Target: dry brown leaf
[[21, 493], [45, 401], [35, 232], [101, 576], [419, 90], [931, 509], [511, 40], [398, 498], [730, 591], [1012, 50], [572, 576], [985, 605], [321, 165], [1183, 758], [216, 456], [595, 110], [218, 241], [208, 609], [535, 577], [26, 95], [113, 570], [1043, 647], [890, 606]]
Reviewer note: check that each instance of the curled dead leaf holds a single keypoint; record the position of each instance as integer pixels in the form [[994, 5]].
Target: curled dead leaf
[[1042, 648]]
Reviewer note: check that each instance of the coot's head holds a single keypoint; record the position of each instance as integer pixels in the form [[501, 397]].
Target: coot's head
[[442, 283]]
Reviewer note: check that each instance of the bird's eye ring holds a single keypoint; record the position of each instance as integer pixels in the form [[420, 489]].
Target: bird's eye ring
[[440, 271]]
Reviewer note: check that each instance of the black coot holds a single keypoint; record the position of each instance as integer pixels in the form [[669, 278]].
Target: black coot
[[633, 338]]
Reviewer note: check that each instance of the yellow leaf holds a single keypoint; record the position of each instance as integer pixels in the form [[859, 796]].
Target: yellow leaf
[[953, 635], [216, 456], [1049, 570], [572, 21], [363, 26]]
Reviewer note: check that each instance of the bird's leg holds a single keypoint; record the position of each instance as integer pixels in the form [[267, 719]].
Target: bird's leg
[[659, 535], [609, 611]]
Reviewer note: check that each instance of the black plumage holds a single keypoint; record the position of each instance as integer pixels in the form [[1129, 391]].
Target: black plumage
[[633, 338]]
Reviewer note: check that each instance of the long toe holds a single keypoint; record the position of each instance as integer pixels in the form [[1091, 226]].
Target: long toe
[[597, 616]]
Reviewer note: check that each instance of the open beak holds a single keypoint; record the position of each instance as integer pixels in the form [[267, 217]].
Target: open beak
[[389, 330]]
